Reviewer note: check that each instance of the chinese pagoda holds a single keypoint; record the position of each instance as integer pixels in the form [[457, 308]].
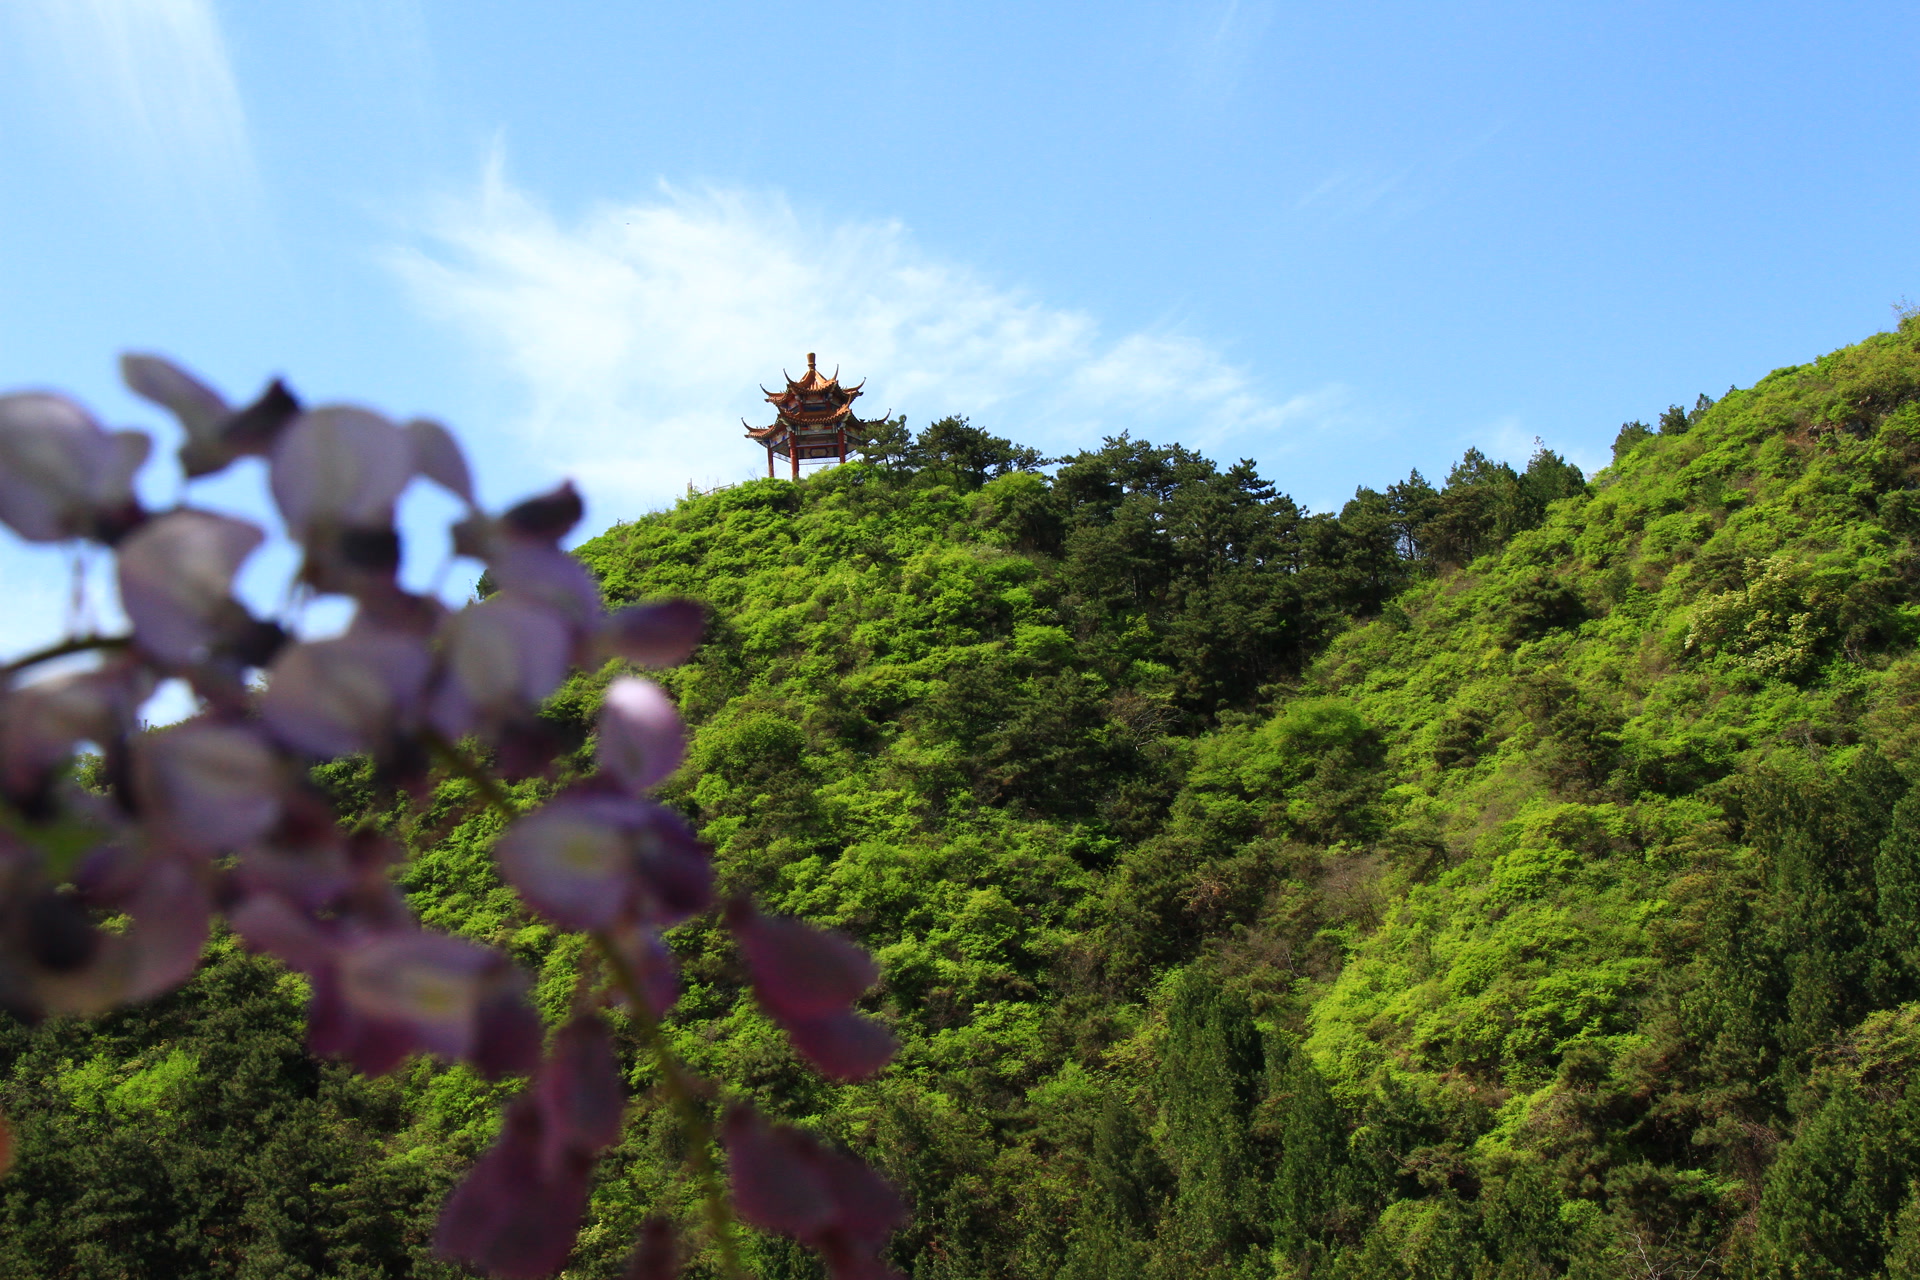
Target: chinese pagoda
[[813, 420]]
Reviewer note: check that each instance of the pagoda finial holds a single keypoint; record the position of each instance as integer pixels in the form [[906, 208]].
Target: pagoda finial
[[809, 362]]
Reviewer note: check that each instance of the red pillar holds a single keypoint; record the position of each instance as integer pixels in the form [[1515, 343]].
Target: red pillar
[[769, 462], [793, 455]]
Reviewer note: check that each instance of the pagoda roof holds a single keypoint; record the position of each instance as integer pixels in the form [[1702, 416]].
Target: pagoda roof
[[815, 402], [814, 383]]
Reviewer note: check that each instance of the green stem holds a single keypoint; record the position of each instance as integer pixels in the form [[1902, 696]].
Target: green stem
[[66, 648], [693, 1125], [461, 767]]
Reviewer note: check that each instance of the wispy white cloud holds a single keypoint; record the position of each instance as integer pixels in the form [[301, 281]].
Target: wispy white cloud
[[148, 83], [1349, 192], [637, 334], [1221, 45], [1392, 192]]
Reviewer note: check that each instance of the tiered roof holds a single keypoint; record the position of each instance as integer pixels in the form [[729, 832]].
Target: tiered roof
[[814, 403]]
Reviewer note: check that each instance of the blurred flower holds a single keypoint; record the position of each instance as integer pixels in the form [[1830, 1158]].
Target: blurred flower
[[593, 860], [437, 456], [41, 723], [521, 549], [339, 468], [63, 476], [656, 1254], [176, 584], [501, 657], [216, 434], [207, 788], [784, 1180], [641, 739], [663, 633], [337, 474], [517, 1212], [645, 953], [200, 410], [54, 957], [381, 995], [807, 980], [352, 693], [312, 865]]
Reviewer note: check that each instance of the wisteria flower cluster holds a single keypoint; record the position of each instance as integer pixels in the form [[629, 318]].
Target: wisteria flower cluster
[[108, 891]]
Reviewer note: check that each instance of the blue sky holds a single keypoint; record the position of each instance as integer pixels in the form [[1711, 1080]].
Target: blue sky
[[1343, 240]]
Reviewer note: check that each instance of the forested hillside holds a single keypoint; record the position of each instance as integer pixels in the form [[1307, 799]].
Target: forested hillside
[[1511, 877]]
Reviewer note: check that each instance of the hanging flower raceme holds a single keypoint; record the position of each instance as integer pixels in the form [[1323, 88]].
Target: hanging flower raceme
[[807, 980], [110, 873], [518, 1211], [786, 1181]]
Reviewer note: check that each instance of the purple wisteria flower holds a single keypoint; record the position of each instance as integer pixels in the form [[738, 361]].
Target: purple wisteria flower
[[785, 1180], [110, 874], [385, 991], [355, 693], [207, 788], [54, 957], [808, 979], [40, 724], [589, 860], [641, 739], [518, 1211], [656, 1254], [216, 433], [176, 583], [500, 658], [62, 475]]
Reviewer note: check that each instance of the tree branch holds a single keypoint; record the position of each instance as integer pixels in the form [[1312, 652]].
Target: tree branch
[[66, 648]]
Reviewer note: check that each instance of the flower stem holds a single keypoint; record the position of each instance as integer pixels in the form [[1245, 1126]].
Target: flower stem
[[66, 648], [674, 1084], [460, 766]]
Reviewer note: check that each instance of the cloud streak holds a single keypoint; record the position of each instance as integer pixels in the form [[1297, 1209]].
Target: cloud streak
[[635, 337], [150, 84], [1221, 47]]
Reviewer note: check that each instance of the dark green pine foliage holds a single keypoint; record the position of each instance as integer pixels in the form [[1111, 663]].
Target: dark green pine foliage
[[1313, 1180], [1896, 880], [1211, 1076], [1128, 1185], [194, 1137]]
